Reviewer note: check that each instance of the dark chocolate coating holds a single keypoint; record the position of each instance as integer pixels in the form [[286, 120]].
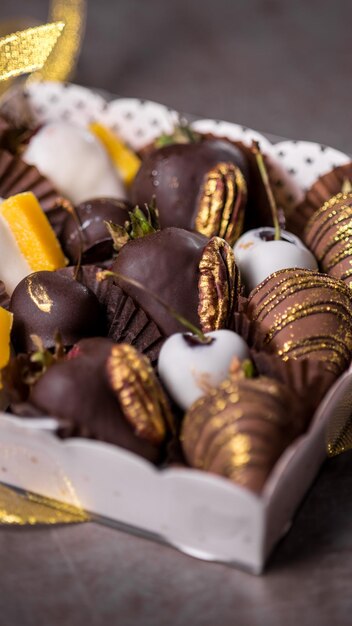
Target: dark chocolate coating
[[167, 264], [77, 393], [174, 175], [45, 303], [93, 236], [96, 348]]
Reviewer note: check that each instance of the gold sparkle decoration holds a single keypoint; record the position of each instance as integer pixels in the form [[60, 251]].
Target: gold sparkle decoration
[[286, 305], [26, 51], [328, 235], [240, 429]]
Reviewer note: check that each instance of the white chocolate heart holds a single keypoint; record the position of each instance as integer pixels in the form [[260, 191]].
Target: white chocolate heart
[[188, 370], [257, 258], [75, 162]]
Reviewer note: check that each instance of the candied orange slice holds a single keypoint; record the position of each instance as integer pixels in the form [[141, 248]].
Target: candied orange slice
[[124, 159], [5, 330], [27, 241]]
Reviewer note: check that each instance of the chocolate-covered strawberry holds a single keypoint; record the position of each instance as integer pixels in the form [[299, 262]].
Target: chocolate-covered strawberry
[[84, 233], [48, 303], [305, 315], [241, 428], [328, 234], [261, 251], [198, 186], [195, 275], [108, 392]]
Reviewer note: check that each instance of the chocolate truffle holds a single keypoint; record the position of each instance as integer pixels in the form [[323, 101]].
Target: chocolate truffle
[[92, 238], [304, 314], [195, 275], [240, 429], [198, 186], [47, 303], [328, 234], [107, 392]]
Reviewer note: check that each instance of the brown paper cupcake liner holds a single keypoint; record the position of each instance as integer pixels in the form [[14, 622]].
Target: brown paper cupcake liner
[[307, 378], [57, 216], [241, 303], [16, 176], [249, 330], [4, 297], [126, 321], [323, 189], [129, 323], [5, 128], [87, 275]]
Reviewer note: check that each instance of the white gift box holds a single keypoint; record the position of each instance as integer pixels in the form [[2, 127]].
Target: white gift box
[[201, 514]]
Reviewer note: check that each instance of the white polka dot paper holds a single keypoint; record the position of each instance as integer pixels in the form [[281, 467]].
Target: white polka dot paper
[[294, 165]]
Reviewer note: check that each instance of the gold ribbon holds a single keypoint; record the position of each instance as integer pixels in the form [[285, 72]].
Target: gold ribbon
[[48, 51], [27, 508], [26, 51], [62, 60]]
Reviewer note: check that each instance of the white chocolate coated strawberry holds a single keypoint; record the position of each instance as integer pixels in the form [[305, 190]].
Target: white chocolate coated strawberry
[[188, 368], [258, 255], [75, 162]]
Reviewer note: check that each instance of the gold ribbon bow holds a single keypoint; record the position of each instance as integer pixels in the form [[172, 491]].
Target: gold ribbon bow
[[48, 51]]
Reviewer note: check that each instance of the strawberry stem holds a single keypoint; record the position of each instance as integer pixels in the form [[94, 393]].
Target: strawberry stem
[[265, 178]]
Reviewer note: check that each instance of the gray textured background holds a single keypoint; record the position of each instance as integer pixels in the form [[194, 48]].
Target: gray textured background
[[281, 67]]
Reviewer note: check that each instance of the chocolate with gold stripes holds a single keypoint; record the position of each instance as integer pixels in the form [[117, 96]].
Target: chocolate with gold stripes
[[305, 314], [240, 429], [328, 234]]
